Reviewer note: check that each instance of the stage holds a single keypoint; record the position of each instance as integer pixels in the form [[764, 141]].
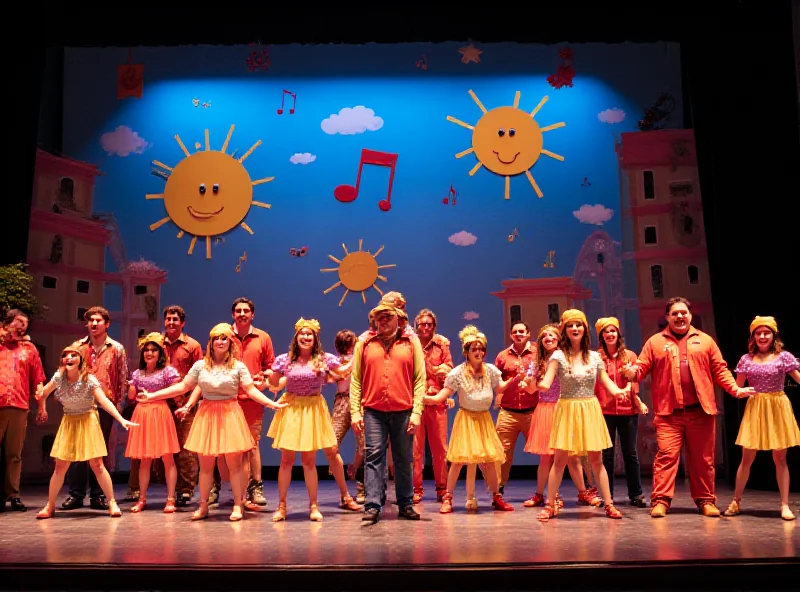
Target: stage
[[580, 549]]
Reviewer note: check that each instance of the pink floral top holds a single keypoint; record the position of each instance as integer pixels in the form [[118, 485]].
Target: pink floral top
[[768, 377], [304, 379], [156, 381]]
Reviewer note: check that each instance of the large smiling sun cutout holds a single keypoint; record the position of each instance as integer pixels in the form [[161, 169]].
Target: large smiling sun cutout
[[508, 141], [358, 271], [208, 193]]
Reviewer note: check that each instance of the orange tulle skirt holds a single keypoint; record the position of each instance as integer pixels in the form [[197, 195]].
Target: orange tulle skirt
[[219, 427], [541, 427], [155, 435]]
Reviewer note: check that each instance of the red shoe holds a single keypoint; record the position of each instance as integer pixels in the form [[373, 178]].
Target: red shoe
[[501, 505], [587, 498], [559, 503], [447, 503], [417, 497], [612, 512], [537, 499]]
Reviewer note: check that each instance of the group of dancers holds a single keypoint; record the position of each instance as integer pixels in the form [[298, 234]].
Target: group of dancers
[[395, 384]]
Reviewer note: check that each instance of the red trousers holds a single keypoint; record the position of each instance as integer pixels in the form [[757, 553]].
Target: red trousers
[[434, 426], [697, 430]]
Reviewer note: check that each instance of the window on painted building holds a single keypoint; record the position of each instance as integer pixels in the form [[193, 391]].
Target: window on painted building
[[553, 313], [650, 235], [657, 280], [79, 315], [49, 282], [515, 314], [649, 182], [139, 290], [66, 194], [681, 189], [693, 272], [82, 287]]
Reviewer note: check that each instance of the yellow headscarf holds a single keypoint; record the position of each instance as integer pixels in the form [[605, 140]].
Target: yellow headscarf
[[606, 322], [154, 337], [573, 314], [302, 323], [469, 334], [764, 322], [221, 329]]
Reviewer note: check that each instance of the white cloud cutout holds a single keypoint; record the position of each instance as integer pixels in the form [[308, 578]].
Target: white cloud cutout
[[302, 158], [597, 214], [471, 315], [123, 141], [463, 239], [614, 115], [352, 121]]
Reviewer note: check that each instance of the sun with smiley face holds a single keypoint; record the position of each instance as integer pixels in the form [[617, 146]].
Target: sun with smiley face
[[508, 141], [208, 193]]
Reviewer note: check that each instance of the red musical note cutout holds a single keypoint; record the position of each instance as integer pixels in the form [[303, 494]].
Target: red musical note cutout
[[422, 62], [452, 193], [301, 252], [348, 193], [283, 99]]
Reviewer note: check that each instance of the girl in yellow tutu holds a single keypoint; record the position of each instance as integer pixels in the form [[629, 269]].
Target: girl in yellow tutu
[[219, 427], [79, 436], [768, 422], [474, 440], [578, 424], [156, 436], [306, 426]]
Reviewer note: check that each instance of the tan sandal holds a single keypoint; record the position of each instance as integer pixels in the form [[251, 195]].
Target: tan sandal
[[314, 514], [169, 507], [279, 515], [237, 514], [46, 512], [549, 511], [348, 503], [113, 509], [447, 503], [733, 508], [472, 504], [202, 511], [139, 506], [786, 513]]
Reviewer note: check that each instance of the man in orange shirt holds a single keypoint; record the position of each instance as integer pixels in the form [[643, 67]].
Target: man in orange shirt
[[20, 374], [685, 364], [438, 362], [255, 350], [386, 390]]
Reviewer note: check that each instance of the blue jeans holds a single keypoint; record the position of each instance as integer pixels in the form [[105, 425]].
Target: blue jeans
[[628, 428], [378, 427]]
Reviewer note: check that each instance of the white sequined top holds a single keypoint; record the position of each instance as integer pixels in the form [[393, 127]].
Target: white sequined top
[[76, 397], [577, 381], [218, 383], [472, 395]]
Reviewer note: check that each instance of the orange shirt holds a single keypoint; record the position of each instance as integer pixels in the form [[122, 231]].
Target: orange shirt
[[610, 404], [109, 365], [257, 354], [387, 381], [183, 353], [20, 373], [661, 358], [510, 363], [437, 352]]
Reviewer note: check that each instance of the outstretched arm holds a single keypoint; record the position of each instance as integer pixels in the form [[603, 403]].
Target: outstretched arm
[[106, 404], [438, 398], [259, 397]]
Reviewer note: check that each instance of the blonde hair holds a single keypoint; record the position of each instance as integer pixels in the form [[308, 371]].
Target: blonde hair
[[83, 367], [474, 377], [233, 347]]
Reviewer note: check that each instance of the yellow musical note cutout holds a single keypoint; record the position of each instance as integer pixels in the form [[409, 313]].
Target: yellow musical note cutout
[[549, 262], [239, 268], [242, 259], [513, 235]]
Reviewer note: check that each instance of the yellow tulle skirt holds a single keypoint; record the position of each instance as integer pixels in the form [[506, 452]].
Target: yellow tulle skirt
[[474, 439], [155, 435], [79, 438], [579, 427], [768, 423], [303, 426], [219, 427]]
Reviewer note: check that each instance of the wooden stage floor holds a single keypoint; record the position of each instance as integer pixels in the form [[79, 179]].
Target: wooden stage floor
[[580, 549]]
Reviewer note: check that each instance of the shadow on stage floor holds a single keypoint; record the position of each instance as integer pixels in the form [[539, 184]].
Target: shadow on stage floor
[[579, 550]]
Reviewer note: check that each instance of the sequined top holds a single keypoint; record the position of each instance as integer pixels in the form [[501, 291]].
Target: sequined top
[[304, 379], [552, 394], [473, 395], [577, 381], [219, 383], [76, 397], [156, 381], [770, 376]]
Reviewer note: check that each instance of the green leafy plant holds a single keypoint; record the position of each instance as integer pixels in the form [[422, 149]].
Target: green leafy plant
[[16, 290]]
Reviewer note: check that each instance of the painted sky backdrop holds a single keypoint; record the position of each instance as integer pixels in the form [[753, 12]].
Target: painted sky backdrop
[[447, 257]]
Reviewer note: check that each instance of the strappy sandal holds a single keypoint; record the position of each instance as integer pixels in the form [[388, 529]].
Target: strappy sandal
[[113, 509], [613, 512], [139, 506], [348, 503], [549, 511], [279, 515], [733, 508], [169, 507], [237, 514], [46, 512], [472, 504], [202, 511], [786, 513], [447, 503], [314, 514]]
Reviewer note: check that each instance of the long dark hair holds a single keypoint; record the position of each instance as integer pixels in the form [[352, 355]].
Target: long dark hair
[[566, 344], [162, 362], [620, 345], [775, 347]]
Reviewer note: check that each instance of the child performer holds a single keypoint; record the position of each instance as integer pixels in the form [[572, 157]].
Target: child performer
[[542, 426], [578, 424], [157, 436], [305, 426], [345, 343], [474, 440], [219, 427], [768, 422], [79, 436]]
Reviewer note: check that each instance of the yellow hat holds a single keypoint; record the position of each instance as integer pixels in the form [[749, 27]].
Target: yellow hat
[[606, 322], [573, 314], [764, 322], [302, 323], [469, 334], [154, 337], [221, 329]]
